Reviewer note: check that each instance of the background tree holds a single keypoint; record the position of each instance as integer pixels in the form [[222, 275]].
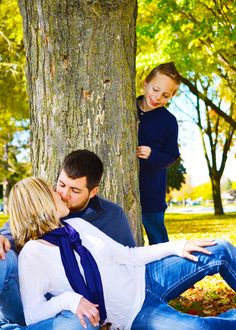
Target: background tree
[[191, 34], [176, 175], [81, 77], [13, 101]]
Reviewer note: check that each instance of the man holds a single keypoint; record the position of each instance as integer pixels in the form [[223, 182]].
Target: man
[[78, 182], [78, 186]]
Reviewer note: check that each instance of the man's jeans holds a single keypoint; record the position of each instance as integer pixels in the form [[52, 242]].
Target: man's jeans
[[11, 311], [168, 278], [155, 227], [11, 308], [65, 320]]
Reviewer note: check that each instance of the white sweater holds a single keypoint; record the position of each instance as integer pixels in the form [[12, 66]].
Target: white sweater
[[122, 271]]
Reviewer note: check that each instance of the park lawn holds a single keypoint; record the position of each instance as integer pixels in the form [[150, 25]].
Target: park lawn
[[3, 219], [210, 296]]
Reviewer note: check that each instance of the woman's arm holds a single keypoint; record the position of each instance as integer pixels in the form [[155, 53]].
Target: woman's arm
[[34, 277]]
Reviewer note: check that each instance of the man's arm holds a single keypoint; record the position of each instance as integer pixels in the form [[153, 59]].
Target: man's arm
[[6, 240], [126, 235], [5, 246]]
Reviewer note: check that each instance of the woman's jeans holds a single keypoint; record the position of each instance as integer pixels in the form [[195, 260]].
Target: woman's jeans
[[155, 227], [166, 279], [11, 310]]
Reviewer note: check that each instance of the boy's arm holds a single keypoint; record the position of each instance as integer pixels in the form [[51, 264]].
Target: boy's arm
[[168, 155]]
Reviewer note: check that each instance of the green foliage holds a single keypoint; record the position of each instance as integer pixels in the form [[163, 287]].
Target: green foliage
[[204, 190], [14, 111], [175, 175], [199, 36], [189, 32], [13, 97], [233, 185]]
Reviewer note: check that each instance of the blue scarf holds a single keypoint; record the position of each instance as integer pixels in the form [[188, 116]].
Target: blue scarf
[[68, 239]]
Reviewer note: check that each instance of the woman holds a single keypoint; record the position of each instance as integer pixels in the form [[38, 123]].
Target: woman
[[131, 287]]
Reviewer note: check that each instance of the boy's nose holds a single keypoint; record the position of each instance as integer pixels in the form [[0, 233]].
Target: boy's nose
[[157, 96]]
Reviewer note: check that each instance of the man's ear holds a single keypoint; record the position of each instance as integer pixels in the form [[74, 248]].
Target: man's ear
[[94, 192]]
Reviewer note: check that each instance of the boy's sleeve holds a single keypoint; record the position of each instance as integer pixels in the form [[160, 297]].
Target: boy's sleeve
[[168, 154]]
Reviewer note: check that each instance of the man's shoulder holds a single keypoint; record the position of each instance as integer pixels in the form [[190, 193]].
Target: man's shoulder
[[109, 205]]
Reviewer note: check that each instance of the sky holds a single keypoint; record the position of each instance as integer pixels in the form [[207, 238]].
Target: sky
[[192, 154]]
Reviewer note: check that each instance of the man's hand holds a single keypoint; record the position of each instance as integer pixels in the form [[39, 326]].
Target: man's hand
[[143, 152], [88, 309], [197, 245], [5, 246]]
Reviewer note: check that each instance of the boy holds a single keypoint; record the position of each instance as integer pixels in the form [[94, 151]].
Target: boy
[[158, 146]]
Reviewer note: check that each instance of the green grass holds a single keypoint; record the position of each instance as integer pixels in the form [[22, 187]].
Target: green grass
[[193, 226], [3, 219]]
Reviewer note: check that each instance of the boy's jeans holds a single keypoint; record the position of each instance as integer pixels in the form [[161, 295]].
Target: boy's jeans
[[168, 278], [155, 227]]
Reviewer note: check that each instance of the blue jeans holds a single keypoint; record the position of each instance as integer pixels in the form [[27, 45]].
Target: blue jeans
[[11, 310], [65, 320], [166, 279], [155, 227]]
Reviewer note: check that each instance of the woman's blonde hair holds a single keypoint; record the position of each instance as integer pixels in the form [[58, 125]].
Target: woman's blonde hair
[[32, 210]]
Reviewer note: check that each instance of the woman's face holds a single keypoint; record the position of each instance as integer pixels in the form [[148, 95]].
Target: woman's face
[[61, 208]]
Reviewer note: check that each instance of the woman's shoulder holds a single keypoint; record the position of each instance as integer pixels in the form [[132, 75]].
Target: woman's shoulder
[[31, 247]]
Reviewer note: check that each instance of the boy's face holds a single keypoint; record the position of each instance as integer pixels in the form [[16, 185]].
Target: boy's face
[[158, 91]]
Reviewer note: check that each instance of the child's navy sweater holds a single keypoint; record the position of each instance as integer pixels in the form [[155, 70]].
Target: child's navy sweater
[[158, 129]]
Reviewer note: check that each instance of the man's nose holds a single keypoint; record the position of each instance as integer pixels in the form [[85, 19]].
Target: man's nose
[[65, 194]]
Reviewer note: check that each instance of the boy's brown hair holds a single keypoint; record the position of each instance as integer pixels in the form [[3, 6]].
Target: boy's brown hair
[[169, 69]]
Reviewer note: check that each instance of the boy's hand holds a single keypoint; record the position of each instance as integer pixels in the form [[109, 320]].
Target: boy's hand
[[5, 246], [143, 152], [88, 309], [197, 245]]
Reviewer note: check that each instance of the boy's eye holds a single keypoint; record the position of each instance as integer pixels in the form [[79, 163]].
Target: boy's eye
[[156, 90]]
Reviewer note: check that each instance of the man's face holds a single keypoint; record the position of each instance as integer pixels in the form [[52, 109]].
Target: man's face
[[74, 192], [158, 91]]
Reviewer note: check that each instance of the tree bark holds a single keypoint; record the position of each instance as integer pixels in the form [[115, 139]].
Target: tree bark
[[216, 192], [81, 85]]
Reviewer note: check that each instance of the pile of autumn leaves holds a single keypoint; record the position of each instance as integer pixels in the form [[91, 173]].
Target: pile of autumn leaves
[[209, 297]]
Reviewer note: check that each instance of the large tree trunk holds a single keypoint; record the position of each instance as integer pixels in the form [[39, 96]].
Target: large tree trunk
[[81, 83]]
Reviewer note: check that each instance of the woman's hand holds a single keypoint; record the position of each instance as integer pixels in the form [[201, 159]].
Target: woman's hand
[[198, 246], [143, 152], [88, 309]]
